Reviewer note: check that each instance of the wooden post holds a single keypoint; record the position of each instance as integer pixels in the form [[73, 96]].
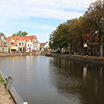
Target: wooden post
[[9, 83]]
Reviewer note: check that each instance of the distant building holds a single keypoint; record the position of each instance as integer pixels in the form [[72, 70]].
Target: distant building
[[19, 44], [14, 44], [44, 46], [3, 44], [36, 44]]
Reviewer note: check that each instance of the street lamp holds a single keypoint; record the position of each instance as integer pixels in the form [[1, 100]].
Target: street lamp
[[85, 47]]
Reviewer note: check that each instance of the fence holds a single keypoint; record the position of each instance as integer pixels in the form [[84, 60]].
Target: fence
[[8, 81]]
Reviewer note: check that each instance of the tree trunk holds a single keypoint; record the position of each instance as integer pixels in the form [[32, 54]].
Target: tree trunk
[[101, 50], [60, 50]]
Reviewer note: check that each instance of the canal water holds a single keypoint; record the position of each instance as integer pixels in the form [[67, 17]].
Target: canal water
[[47, 80]]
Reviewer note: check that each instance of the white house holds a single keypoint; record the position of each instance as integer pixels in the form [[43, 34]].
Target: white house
[[44, 46], [36, 44], [29, 46]]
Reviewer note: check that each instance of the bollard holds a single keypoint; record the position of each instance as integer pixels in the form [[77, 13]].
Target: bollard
[[9, 83]]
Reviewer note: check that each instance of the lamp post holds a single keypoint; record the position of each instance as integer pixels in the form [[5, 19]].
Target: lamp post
[[85, 48]]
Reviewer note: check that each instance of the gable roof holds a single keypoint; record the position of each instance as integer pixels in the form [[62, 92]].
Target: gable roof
[[27, 38], [42, 44], [15, 38]]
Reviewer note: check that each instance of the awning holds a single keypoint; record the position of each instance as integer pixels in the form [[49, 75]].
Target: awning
[[13, 47]]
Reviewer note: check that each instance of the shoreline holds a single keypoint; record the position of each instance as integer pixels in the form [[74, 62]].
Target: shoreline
[[92, 59], [17, 54], [5, 97]]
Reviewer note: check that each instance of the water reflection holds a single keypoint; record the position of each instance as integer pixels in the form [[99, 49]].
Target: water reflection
[[86, 81], [45, 80]]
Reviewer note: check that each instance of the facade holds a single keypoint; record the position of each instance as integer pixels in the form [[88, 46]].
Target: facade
[[19, 44], [44, 46], [32, 44], [36, 44], [3, 44]]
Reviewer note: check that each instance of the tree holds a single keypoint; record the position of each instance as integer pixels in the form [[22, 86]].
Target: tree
[[20, 33], [75, 37], [94, 22], [59, 37], [3, 34]]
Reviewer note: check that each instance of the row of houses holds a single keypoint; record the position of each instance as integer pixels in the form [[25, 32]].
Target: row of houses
[[19, 44]]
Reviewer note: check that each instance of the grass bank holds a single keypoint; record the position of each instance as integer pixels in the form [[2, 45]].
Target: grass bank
[[4, 94], [1, 80]]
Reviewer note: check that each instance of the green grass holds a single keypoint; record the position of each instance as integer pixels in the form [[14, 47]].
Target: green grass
[[1, 80]]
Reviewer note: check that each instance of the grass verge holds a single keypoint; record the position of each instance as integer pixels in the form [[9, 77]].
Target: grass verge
[[1, 80]]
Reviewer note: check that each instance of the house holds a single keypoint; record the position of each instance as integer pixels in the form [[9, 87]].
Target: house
[[14, 44], [19, 44], [29, 43], [44, 46], [32, 44], [36, 44], [3, 44]]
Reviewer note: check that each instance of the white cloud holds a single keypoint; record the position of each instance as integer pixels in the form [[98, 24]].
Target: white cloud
[[39, 8], [22, 9]]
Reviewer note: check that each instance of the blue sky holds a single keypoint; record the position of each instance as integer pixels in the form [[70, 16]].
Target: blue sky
[[38, 17]]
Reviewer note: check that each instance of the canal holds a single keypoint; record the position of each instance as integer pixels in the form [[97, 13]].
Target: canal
[[47, 80]]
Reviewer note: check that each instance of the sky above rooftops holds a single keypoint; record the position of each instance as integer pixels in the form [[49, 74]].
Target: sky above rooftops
[[38, 17]]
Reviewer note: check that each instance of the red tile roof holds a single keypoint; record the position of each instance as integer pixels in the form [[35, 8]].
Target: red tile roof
[[42, 44], [15, 38], [27, 38]]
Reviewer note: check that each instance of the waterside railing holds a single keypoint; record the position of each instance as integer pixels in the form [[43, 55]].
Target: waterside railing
[[16, 97]]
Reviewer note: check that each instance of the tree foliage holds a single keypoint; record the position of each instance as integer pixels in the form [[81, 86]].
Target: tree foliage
[[87, 29], [20, 33], [2, 34]]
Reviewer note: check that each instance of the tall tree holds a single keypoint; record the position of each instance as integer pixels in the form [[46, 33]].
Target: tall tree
[[59, 37], [94, 22]]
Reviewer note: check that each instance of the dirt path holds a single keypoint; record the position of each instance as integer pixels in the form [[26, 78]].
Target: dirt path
[[4, 96]]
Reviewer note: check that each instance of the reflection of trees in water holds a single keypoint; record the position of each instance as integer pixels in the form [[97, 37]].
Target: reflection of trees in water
[[81, 79]]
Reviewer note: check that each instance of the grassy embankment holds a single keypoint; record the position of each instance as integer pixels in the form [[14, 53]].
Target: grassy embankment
[[1, 80]]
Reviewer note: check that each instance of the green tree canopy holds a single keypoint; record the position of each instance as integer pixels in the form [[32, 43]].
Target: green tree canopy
[[20, 33]]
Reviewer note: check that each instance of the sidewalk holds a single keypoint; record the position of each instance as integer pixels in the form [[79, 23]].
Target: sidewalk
[[4, 95]]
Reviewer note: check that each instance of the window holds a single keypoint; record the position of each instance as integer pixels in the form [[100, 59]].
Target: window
[[5, 44], [22, 44], [19, 44]]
